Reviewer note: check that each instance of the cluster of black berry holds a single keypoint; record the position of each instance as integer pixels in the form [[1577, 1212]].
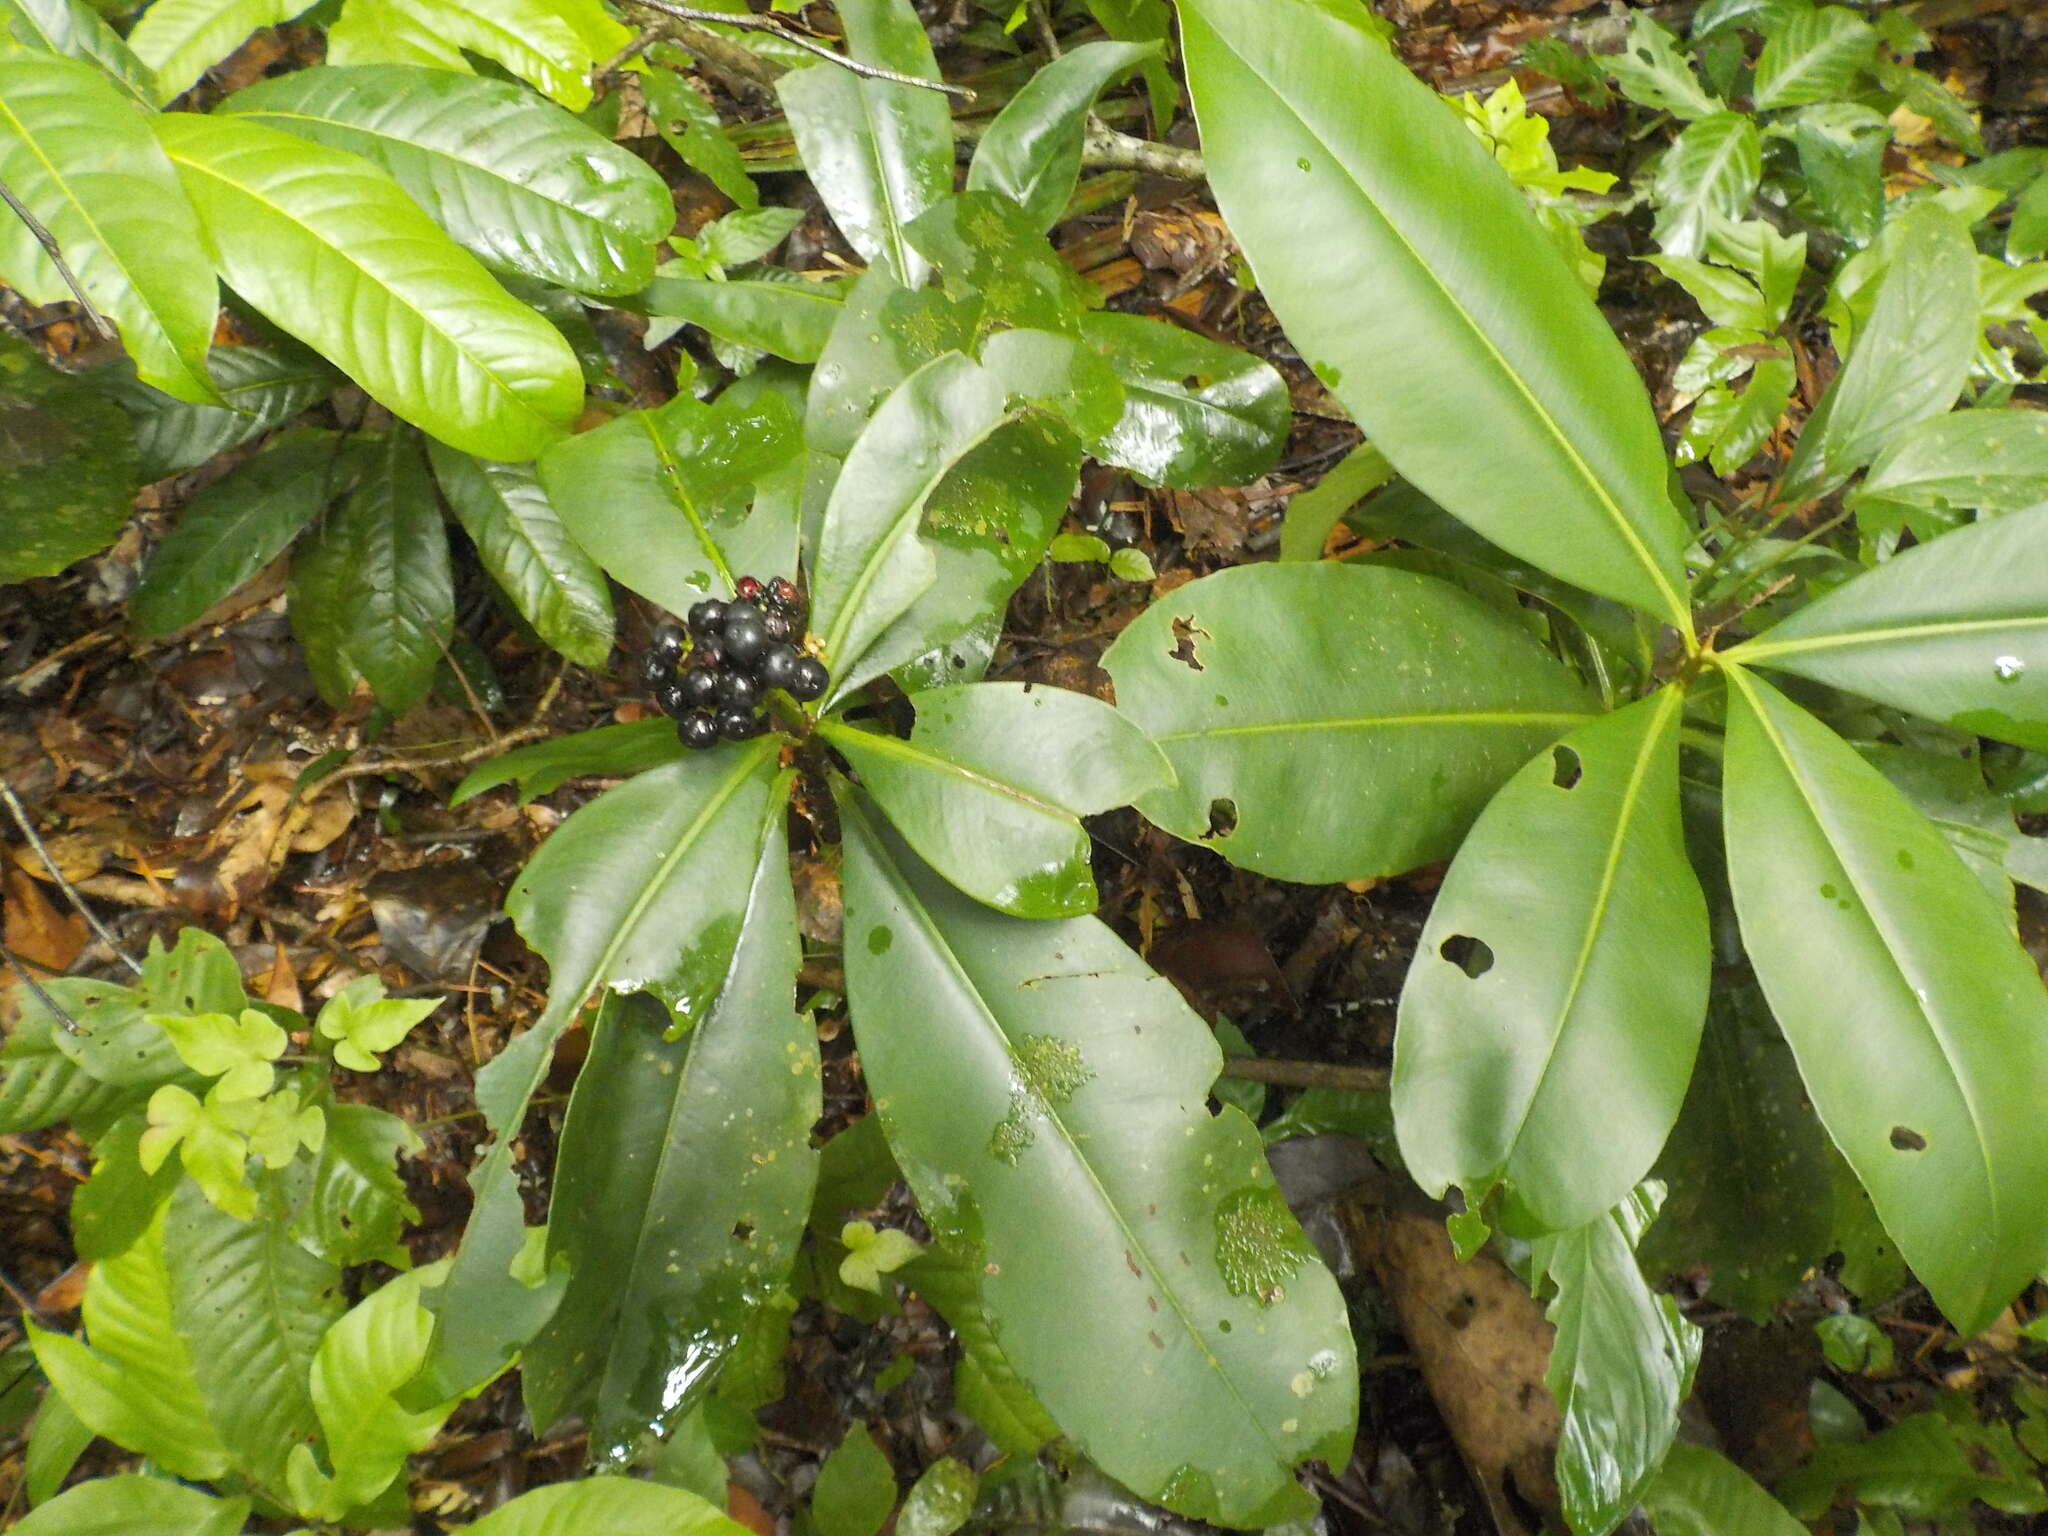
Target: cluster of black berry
[[711, 677]]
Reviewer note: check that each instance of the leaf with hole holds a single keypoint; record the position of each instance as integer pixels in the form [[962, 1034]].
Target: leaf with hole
[[1653, 71], [690, 126]]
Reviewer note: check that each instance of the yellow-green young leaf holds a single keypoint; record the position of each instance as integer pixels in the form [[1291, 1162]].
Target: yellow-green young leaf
[[426, 332], [182, 39], [871, 1254], [129, 1504], [211, 1147], [1330, 161], [362, 1021], [1854, 908], [79, 155], [74, 29], [1549, 1022], [391, 32], [550, 44], [133, 1380], [617, 1506], [238, 1051]]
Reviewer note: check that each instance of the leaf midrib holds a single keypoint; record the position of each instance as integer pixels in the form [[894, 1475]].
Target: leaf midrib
[[674, 483], [933, 762], [1677, 610], [1764, 649], [1451, 718]]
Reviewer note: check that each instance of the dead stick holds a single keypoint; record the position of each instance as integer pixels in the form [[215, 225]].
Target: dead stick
[[57, 1010], [1306, 1074], [769, 24], [51, 249]]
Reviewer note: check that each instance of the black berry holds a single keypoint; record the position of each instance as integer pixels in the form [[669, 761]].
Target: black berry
[[777, 667], [779, 626], [709, 653], [698, 730], [673, 697], [808, 679], [654, 667], [746, 637], [707, 617], [737, 690], [668, 641], [699, 687], [738, 724]]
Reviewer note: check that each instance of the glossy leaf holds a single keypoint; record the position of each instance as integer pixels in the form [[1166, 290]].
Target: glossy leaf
[[66, 471], [1652, 70], [690, 126], [235, 527], [990, 787], [74, 29], [610, 751], [659, 498], [79, 155], [1955, 629], [1031, 153], [1993, 461], [1813, 55], [676, 1218], [879, 153], [884, 333], [618, 1506], [1709, 173], [1332, 722], [252, 1305], [788, 319], [1195, 413], [550, 44], [1046, 1095], [1910, 357], [372, 593], [523, 185], [940, 1501], [180, 40], [1329, 159], [426, 332], [1312, 513], [135, 1381], [348, 1203], [1621, 1364], [1977, 822], [1549, 1022], [1853, 906], [870, 564], [521, 541], [129, 1504], [1699, 1492], [264, 387]]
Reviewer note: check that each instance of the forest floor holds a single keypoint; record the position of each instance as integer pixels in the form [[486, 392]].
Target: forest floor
[[162, 777]]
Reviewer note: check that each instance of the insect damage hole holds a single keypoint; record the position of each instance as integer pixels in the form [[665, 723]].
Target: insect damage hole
[[1184, 632], [1905, 1139], [1565, 768], [1222, 818], [1472, 956]]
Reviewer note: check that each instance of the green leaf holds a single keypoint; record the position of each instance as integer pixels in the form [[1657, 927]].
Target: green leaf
[[362, 1021], [1852, 906], [1330, 722], [1652, 72], [115, 1042], [520, 539], [871, 1254], [1990, 461], [940, 1501], [1077, 548], [856, 1487], [1312, 513], [1910, 358], [1841, 147], [1955, 629], [114, 1208], [1195, 413], [74, 29], [1813, 55], [521, 184], [689, 125], [349, 1204], [1925, 1466], [426, 332], [182, 39], [198, 975], [264, 387], [234, 528], [617, 1506], [45, 1083], [252, 1305], [56, 1439], [1549, 1023], [1729, 436], [237, 1050], [879, 153], [136, 1382], [870, 564], [659, 498], [985, 1383], [676, 1219], [610, 751], [1031, 153], [1853, 1343], [66, 470], [550, 44], [372, 595], [1698, 1492], [1329, 161], [128, 1504], [1950, 792], [788, 319], [990, 787], [79, 155], [1132, 564], [1063, 1132], [1621, 1364], [210, 1147]]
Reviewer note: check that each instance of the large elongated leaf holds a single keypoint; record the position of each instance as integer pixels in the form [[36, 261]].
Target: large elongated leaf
[[233, 528], [870, 564], [75, 29], [550, 44], [678, 1219], [79, 155], [1909, 360], [1956, 630], [262, 386], [1854, 908], [372, 593], [1046, 1094], [1330, 162], [252, 1304], [66, 474], [1549, 1022], [618, 1506], [1698, 1492], [1993, 460], [519, 536], [616, 750], [129, 1504], [1032, 151], [1330, 722], [991, 784], [520, 183], [659, 498], [789, 319], [1195, 413], [426, 332], [181, 39], [879, 153]]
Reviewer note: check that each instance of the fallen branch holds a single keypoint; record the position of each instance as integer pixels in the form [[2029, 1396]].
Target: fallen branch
[[1306, 1074], [55, 252], [744, 23]]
